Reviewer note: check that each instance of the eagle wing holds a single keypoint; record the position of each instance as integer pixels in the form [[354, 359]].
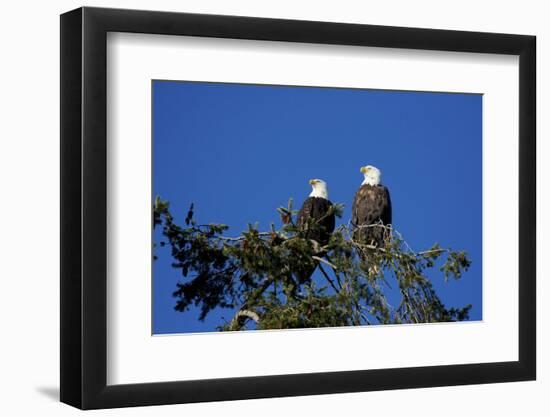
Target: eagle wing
[[317, 208], [372, 203], [306, 212]]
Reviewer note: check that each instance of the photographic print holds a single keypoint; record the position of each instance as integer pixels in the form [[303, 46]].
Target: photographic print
[[299, 207], [330, 186]]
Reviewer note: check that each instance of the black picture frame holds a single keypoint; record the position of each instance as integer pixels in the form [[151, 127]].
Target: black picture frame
[[84, 207]]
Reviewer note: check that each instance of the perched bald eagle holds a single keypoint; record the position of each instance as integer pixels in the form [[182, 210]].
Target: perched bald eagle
[[371, 206], [317, 207]]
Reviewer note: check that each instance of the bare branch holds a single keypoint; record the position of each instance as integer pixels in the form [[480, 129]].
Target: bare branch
[[325, 262], [247, 314], [331, 282]]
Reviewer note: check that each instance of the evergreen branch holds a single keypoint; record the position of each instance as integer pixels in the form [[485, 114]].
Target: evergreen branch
[[219, 270]]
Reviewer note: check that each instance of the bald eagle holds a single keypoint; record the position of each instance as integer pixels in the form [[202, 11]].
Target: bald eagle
[[371, 206], [317, 207]]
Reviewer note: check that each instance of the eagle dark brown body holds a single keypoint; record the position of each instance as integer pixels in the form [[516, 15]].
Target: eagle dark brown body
[[316, 224], [316, 208], [371, 205]]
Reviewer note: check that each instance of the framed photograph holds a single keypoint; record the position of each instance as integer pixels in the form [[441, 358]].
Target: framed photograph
[[257, 208]]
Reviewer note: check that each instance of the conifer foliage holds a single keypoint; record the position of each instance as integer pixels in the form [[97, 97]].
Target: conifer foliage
[[258, 275]]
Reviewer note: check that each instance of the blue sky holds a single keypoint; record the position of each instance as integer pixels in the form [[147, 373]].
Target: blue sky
[[240, 151]]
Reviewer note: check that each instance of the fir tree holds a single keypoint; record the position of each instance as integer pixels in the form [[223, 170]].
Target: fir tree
[[256, 275]]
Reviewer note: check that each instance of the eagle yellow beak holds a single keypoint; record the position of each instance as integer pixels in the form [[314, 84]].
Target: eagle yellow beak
[[363, 170], [312, 182]]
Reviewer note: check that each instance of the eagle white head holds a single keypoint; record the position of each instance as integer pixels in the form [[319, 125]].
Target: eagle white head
[[372, 175], [319, 188]]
